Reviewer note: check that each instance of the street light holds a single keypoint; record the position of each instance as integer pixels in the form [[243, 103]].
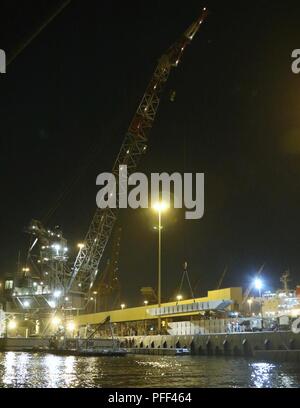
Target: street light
[[57, 293], [146, 302], [159, 207], [80, 245], [95, 303], [123, 306], [179, 297]]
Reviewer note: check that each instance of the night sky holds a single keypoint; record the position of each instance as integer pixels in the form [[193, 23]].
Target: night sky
[[68, 98]]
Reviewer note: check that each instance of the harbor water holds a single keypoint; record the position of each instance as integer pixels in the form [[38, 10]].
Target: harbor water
[[36, 370]]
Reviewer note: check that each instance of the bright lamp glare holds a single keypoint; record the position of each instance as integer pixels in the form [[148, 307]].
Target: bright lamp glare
[[52, 304], [12, 325], [71, 326], [160, 206], [258, 284], [55, 321], [26, 303], [57, 293]]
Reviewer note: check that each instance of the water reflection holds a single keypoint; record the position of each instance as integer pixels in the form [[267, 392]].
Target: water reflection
[[55, 372], [50, 371], [262, 374], [9, 368], [266, 375]]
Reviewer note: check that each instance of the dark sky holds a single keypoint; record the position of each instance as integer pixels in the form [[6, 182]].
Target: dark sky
[[68, 98]]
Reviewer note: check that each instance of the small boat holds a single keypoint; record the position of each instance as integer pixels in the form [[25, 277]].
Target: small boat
[[183, 351], [88, 352], [102, 352], [88, 346]]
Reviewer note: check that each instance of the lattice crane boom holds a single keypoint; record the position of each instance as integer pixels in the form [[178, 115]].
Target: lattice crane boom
[[86, 265]]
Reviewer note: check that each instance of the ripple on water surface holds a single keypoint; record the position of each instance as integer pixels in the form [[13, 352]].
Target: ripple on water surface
[[47, 370]]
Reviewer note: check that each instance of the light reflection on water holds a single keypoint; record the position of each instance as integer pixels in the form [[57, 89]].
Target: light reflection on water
[[50, 371], [262, 374]]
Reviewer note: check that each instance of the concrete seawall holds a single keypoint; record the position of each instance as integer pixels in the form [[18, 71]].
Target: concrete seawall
[[262, 345], [234, 344], [22, 343]]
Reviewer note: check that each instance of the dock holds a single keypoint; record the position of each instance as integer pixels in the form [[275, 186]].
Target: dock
[[271, 346], [280, 344]]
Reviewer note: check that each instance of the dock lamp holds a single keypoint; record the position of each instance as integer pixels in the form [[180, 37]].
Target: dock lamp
[[123, 306], [12, 325], [55, 321], [26, 304], [179, 297], [71, 327], [258, 284], [159, 207]]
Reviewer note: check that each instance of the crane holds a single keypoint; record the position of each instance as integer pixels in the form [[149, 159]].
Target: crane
[[85, 268], [222, 278], [107, 285], [284, 279]]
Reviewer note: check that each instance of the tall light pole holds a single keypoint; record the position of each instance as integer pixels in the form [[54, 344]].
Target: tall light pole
[[258, 285], [145, 321], [95, 293], [94, 299], [159, 207]]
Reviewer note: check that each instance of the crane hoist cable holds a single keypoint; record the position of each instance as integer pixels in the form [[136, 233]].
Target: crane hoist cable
[[222, 277], [91, 158], [186, 275], [31, 37], [185, 264]]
